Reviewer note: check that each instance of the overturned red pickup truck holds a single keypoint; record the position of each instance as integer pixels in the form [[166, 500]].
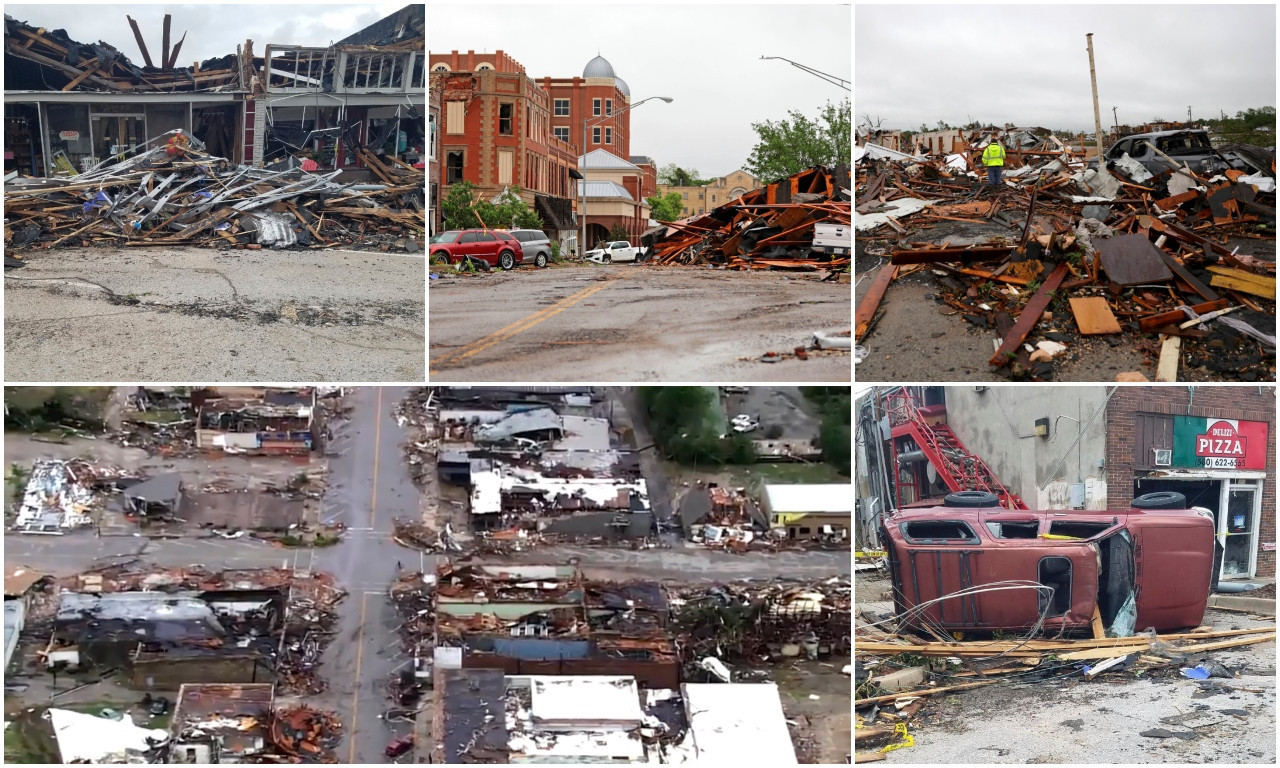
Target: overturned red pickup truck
[[971, 565]]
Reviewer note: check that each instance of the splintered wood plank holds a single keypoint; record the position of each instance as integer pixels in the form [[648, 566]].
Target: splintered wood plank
[[1093, 316], [871, 302], [1245, 282], [1167, 368], [1029, 317]]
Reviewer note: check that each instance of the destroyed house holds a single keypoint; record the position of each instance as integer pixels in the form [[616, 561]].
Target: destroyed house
[[544, 619], [159, 497], [221, 723], [71, 105], [468, 717], [269, 422]]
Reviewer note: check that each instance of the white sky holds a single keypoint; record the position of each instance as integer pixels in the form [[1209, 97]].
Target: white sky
[[705, 57], [1029, 65], [213, 30]]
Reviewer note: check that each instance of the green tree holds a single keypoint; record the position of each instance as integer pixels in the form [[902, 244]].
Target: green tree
[[835, 408], [787, 147], [665, 207], [462, 210], [684, 423], [676, 176], [619, 232], [458, 207]]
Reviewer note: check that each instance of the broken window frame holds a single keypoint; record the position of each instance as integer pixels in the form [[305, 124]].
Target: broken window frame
[[506, 125], [319, 62], [461, 153], [911, 538]]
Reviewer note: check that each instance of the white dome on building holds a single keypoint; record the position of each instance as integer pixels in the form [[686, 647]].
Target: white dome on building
[[598, 67], [622, 86]]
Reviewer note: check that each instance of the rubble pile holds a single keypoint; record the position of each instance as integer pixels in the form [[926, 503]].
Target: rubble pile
[[418, 410], [173, 193], [309, 628], [895, 675], [305, 734], [768, 228], [777, 619], [1175, 260], [64, 495]]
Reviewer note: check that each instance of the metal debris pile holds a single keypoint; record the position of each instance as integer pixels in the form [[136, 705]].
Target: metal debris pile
[[768, 228], [309, 627], [765, 620], [1178, 262], [306, 735], [173, 193]]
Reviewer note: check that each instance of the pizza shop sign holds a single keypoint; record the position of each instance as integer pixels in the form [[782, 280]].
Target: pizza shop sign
[[1220, 443]]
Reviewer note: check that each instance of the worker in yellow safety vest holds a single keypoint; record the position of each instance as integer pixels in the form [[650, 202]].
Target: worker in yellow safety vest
[[993, 159]]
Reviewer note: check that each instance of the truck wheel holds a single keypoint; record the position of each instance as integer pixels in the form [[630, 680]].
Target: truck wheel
[[1161, 500], [607, 259], [507, 260], [971, 499], [540, 260]]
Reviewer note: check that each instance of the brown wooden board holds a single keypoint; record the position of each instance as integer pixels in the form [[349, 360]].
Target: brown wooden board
[[1029, 317], [1093, 316], [1132, 260]]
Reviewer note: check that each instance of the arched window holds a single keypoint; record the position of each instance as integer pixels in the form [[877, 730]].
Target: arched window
[[441, 67], [484, 67]]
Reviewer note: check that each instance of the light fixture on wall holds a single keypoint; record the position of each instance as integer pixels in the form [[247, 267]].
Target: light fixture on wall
[[1042, 428]]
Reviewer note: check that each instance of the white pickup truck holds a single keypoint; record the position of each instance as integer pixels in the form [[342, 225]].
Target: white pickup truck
[[618, 250]]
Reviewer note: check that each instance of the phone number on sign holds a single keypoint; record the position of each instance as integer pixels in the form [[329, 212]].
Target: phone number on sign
[[1213, 462]]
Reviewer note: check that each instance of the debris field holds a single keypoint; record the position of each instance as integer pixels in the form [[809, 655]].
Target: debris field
[[1178, 263], [768, 228], [173, 192]]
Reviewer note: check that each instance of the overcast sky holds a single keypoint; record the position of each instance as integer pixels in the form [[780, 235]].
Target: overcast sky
[[212, 30], [1029, 65], [707, 58]]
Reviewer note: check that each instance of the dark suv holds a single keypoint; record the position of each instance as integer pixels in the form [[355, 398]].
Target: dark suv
[[536, 246], [1191, 147], [494, 247]]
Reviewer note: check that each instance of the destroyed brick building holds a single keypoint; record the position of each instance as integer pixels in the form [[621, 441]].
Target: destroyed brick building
[[164, 628], [547, 619], [496, 134], [69, 104], [255, 420], [220, 723], [484, 716], [540, 462]]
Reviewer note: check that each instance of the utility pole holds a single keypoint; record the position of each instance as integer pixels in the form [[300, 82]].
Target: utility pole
[[1097, 116], [1115, 121], [1188, 113]]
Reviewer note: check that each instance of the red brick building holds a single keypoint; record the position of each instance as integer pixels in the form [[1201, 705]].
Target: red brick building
[[1214, 445], [495, 132], [594, 99]]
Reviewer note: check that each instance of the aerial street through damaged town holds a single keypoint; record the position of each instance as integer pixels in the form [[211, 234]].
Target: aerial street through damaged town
[[322, 574]]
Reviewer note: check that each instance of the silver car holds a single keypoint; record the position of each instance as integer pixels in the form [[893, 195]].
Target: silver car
[[536, 246]]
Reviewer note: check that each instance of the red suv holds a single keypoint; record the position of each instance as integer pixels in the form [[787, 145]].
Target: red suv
[[973, 565], [494, 247]]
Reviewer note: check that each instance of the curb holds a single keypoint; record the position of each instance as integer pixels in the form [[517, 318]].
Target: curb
[[1264, 605]]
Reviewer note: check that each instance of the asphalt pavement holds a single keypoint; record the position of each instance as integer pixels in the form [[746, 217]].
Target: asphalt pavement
[[632, 323]]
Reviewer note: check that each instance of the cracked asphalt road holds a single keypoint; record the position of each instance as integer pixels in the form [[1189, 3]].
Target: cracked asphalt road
[[197, 314], [633, 323]]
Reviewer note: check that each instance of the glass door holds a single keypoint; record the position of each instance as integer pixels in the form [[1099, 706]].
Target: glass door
[[1237, 529], [115, 133]]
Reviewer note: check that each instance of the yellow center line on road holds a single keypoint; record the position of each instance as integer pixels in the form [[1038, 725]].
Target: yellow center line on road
[[355, 693], [377, 443], [519, 326]]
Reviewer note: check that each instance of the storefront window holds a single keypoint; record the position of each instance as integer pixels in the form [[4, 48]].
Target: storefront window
[[67, 131]]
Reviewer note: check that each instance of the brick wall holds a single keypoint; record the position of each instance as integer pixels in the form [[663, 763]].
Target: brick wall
[[1249, 403]]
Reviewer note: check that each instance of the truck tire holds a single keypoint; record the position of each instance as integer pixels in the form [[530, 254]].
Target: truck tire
[[971, 499], [507, 260], [1161, 500], [607, 259]]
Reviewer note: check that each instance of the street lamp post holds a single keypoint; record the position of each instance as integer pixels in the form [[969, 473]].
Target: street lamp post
[[582, 184]]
